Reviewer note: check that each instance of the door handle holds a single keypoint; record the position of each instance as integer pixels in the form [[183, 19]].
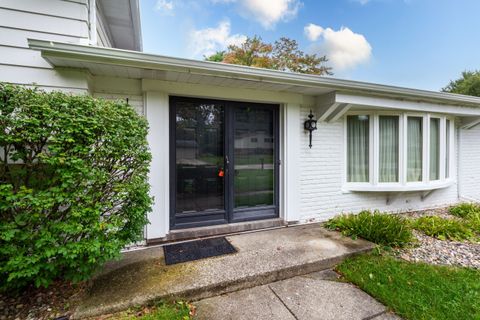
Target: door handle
[[227, 161]]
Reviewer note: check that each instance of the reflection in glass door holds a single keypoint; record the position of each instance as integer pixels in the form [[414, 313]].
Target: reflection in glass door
[[199, 162], [224, 162], [254, 162]]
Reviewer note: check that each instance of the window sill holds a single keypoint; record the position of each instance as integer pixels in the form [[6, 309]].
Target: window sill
[[395, 187]]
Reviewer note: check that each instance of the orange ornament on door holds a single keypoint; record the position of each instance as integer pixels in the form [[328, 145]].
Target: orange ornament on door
[[221, 173]]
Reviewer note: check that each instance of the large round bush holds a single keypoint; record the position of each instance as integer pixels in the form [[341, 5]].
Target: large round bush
[[73, 184]]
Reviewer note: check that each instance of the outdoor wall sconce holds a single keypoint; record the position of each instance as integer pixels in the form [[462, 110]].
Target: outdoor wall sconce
[[310, 125]]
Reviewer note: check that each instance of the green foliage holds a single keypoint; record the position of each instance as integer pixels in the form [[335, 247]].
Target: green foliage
[[464, 210], [73, 184], [380, 228], [470, 212], [444, 229], [417, 290], [283, 54], [473, 221], [162, 310], [216, 57], [468, 84], [168, 311]]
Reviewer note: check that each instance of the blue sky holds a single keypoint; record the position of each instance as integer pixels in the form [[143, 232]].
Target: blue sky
[[413, 43]]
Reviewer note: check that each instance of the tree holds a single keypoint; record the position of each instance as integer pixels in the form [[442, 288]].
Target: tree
[[283, 54], [216, 57], [468, 84], [253, 52]]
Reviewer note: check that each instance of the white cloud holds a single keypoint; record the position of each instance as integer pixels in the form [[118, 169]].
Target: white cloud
[[165, 6], [267, 12], [312, 31], [209, 40], [344, 48], [362, 2]]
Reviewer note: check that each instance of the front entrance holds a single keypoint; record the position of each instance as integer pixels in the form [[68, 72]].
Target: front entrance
[[224, 162]]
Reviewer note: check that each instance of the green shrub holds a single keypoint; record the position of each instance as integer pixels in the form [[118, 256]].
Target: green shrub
[[470, 212], [73, 184], [380, 228], [464, 210], [443, 229], [473, 221]]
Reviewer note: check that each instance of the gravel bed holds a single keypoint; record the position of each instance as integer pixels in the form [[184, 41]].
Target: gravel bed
[[440, 252], [439, 212]]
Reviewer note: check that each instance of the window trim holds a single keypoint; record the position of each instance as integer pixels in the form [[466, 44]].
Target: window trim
[[403, 185]]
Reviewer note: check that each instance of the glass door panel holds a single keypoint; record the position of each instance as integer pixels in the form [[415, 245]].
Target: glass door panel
[[223, 162], [254, 158], [199, 158]]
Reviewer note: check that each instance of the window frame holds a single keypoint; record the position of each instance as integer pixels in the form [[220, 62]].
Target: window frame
[[374, 153]]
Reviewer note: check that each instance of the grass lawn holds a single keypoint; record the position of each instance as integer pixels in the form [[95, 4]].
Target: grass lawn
[[414, 290]]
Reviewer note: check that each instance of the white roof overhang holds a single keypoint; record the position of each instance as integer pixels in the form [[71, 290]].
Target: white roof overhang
[[123, 22], [333, 96]]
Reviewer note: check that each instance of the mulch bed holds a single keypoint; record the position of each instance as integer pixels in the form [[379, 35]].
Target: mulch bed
[[40, 303]]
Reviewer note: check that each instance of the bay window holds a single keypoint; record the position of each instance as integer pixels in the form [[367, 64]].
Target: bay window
[[398, 151]]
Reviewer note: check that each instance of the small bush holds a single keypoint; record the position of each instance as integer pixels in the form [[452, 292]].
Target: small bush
[[380, 228], [470, 212], [73, 184], [464, 210], [473, 221], [443, 229]]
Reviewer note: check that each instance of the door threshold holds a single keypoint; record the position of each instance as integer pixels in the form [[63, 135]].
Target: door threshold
[[216, 230]]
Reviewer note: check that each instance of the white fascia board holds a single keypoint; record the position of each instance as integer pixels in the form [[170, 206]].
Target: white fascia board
[[136, 59], [137, 27], [390, 103]]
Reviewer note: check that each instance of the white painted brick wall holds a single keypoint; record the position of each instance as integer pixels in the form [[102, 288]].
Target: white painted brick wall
[[469, 170], [322, 170]]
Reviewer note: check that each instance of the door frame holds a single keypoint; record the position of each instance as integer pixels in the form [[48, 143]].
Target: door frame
[[223, 216]]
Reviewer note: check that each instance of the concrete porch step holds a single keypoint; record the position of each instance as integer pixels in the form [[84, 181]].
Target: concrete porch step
[[263, 257]]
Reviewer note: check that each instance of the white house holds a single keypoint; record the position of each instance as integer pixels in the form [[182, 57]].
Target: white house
[[229, 147]]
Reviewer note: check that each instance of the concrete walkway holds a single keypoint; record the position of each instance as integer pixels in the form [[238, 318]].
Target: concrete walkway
[[263, 257], [309, 297]]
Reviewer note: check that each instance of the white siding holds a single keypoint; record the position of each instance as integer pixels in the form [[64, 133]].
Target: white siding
[[469, 164], [119, 88], [55, 20], [135, 101], [322, 175]]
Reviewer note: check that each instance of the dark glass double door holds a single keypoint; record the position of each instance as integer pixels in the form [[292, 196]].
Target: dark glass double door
[[224, 162]]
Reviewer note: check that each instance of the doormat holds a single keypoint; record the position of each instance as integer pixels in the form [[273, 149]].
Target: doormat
[[195, 250]]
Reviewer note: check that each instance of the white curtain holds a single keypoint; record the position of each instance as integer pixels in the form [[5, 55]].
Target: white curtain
[[358, 148], [388, 148], [414, 149], [434, 149]]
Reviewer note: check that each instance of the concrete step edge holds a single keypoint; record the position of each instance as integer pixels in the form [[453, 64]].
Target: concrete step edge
[[221, 287]]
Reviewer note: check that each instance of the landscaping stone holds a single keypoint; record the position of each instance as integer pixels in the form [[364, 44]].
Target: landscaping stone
[[442, 252], [442, 212]]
